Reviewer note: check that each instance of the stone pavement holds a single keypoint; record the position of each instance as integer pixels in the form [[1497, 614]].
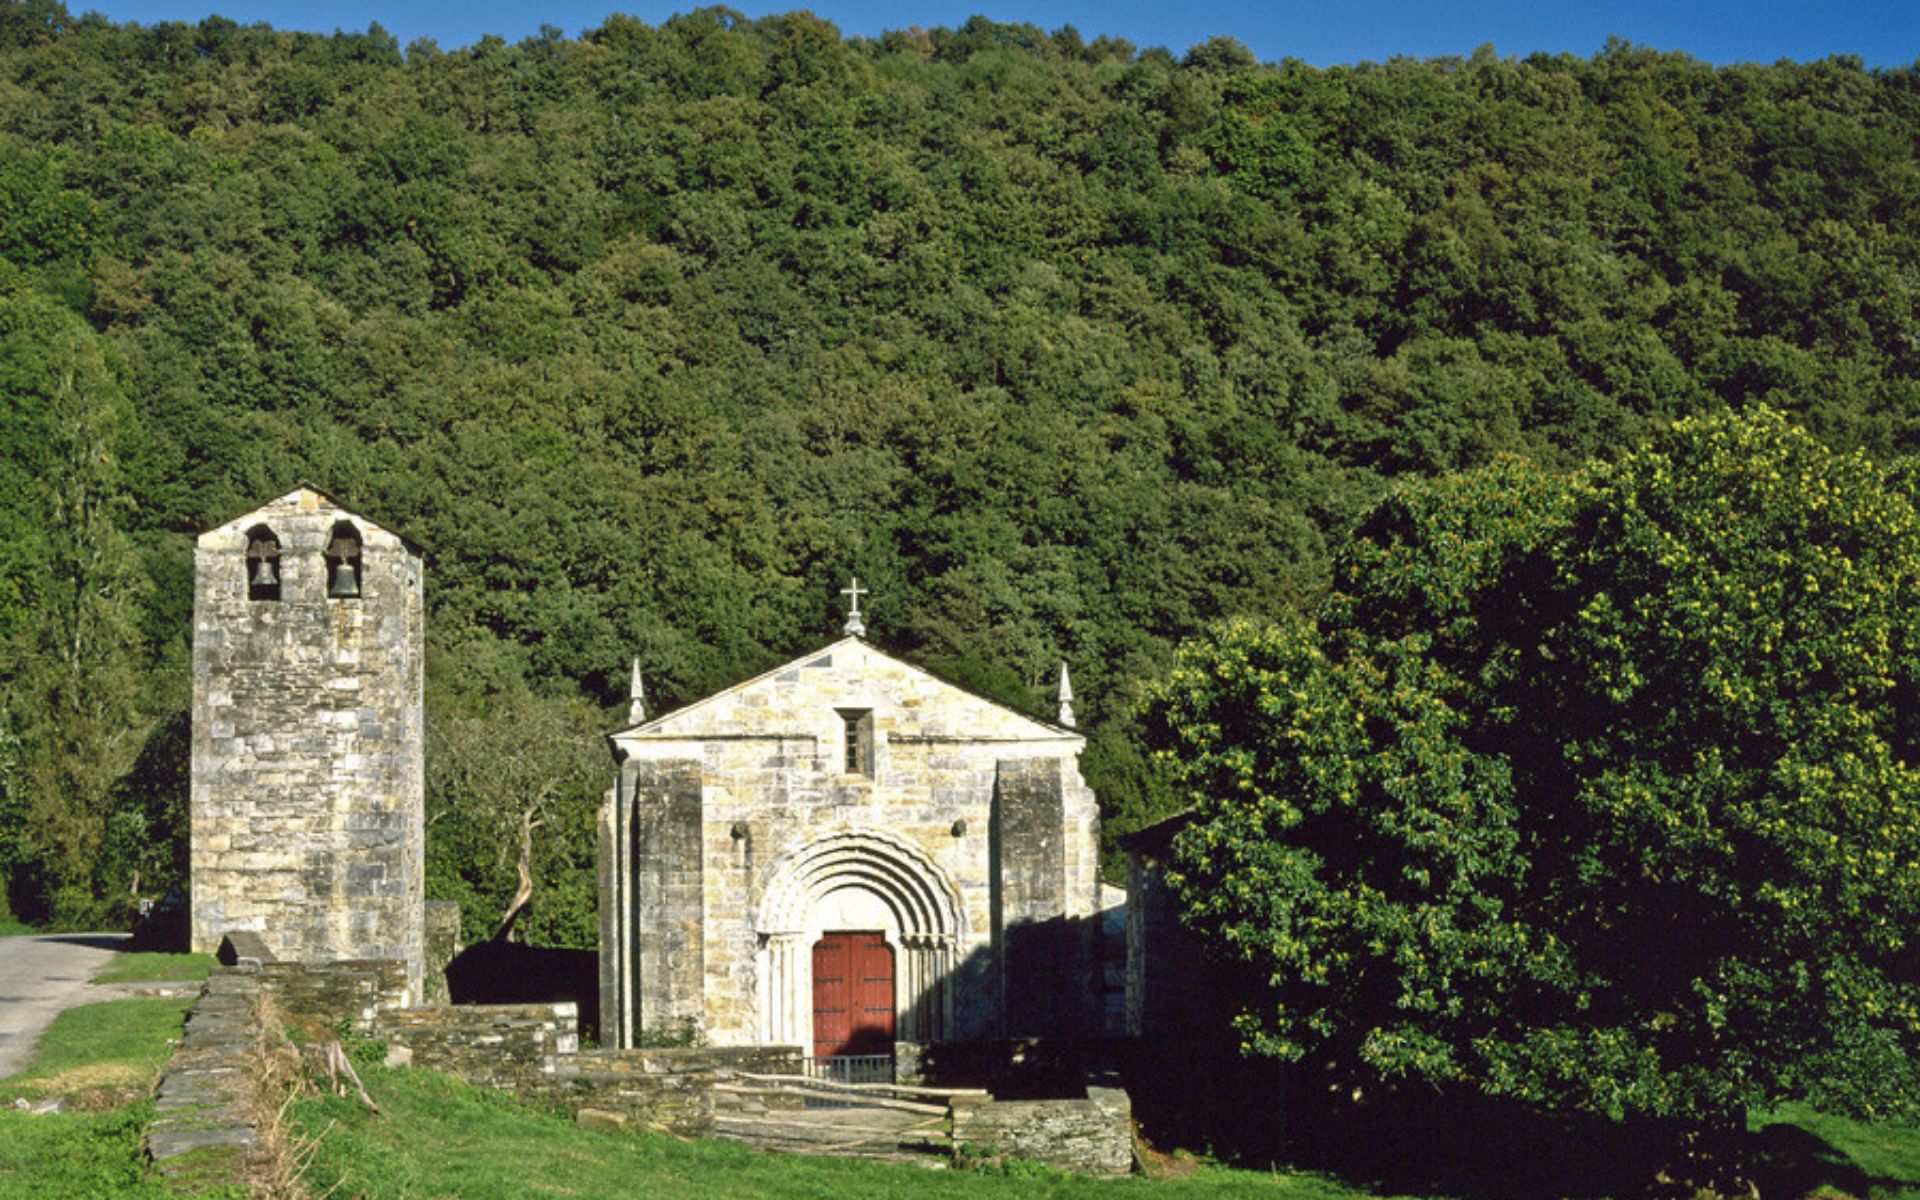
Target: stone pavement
[[40, 975]]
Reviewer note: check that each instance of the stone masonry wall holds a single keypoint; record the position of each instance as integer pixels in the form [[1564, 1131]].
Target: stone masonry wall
[[1047, 960], [307, 806], [532, 1050], [669, 1089], [203, 1134], [491, 1045], [354, 992], [670, 948], [1093, 1136], [440, 946]]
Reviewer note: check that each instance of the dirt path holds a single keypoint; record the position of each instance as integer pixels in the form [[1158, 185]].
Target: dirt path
[[41, 975]]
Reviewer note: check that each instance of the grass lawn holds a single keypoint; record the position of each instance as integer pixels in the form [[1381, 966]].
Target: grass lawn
[[1846, 1158], [12, 928], [147, 966], [102, 1060], [437, 1137], [76, 1156], [118, 1046]]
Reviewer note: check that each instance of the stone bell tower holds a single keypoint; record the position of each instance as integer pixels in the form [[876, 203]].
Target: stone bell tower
[[308, 811]]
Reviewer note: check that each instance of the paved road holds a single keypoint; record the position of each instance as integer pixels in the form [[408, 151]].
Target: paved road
[[39, 976]]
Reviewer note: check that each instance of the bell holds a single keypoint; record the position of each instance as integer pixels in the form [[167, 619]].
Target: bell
[[264, 576], [345, 583]]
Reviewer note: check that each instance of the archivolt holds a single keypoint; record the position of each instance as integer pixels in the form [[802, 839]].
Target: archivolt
[[921, 896]]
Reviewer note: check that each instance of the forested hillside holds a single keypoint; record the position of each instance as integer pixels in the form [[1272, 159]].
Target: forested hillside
[[653, 337]]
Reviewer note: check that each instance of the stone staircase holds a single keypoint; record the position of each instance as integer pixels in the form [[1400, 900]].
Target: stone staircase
[[797, 1115]]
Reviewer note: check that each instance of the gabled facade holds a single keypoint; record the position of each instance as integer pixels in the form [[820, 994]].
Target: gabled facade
[[845, 853]]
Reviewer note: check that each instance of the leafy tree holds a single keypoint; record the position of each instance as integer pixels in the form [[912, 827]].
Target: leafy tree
[[76, 654], [17, 859], [512, 799], [1600, 791]]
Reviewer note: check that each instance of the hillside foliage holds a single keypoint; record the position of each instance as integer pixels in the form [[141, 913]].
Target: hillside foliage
[[656, 335]]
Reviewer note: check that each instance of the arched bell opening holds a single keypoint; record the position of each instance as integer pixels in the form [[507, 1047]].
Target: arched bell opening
[[343, 562], [263, 564]]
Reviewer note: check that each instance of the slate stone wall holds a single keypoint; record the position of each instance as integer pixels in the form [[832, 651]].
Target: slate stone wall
[[490, 1045], [355, 992], [532, 1050], [668, 1089], [440, 946], [1093, 1136], [1169, 979], [203, 1135], [307, 806]]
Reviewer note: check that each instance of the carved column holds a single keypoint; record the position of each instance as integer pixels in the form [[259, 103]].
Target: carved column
[[927, 967], [785, 1009]]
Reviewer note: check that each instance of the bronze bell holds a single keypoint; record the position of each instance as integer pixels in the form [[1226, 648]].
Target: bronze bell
[[344, 583], [264, 575]]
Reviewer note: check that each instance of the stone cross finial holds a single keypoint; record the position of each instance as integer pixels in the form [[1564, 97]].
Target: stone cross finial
[[636, 697], [854, 626], [1066, 698]]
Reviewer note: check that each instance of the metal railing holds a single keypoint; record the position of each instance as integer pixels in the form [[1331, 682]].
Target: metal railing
[[846, 1068]]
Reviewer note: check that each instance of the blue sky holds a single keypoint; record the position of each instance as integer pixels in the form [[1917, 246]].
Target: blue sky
[[1882, 32]]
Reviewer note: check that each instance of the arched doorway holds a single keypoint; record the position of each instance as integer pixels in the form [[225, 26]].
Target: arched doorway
[[900, 912]]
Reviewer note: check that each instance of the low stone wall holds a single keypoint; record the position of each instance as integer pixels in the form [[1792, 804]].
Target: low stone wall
[[491, 1045], [441, 945], [533, 1051], [203, 1133], [357, 992], [662, 1093], [668, 1089], [1093, 1136]]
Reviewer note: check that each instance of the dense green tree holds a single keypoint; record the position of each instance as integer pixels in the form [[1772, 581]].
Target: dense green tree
[[75, 655], [655, 335], [1598, 791]]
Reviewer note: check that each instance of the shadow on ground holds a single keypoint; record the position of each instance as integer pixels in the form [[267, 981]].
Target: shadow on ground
[[1421, 1141], [1203, 1095], [98, 941]]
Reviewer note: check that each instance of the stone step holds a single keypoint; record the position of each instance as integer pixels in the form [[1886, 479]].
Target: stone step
[[871, 1133]]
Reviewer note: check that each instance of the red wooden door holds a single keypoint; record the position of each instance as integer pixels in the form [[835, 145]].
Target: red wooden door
[[852, 995]]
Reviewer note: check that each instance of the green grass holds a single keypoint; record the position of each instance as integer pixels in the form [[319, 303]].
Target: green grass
[[148, 966], [82, 1156], [98, 1057], [437, 1137], [116, 1046], [12, 928], [1846, 1157]]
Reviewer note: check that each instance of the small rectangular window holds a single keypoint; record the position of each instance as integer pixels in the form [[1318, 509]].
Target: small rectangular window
[[856, 727]]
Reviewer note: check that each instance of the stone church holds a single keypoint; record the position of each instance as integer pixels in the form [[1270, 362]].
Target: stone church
[[847, 853]]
